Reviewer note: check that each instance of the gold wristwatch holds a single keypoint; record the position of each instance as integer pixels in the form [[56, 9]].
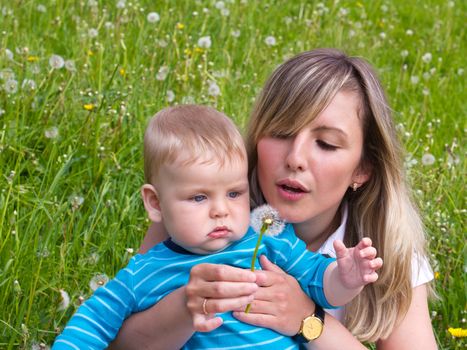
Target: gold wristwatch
[[311, 327]]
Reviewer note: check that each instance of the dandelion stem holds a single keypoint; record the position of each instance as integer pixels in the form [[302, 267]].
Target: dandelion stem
[[264, 227]]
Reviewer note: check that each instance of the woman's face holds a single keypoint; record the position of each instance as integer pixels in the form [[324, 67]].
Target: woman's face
[[306, 176]]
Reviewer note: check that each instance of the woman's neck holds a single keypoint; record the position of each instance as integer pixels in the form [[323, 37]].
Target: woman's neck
[[316, 231]]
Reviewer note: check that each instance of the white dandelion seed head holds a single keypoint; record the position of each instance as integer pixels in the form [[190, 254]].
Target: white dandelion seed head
[[64, 300], [225, 12], [6, 74], [76, 202], [130, 250], [28, 84], [98, 281], [162, 73], [382, 35], [39, 346], [460, 71], [427, 57], [93, 33], [92, 3], [10, 86], [170, 96], [56, 62], [162, 43], [70, 65], [121, 4], [51, 133], [263, 212], [236, 33], [2, 111], [9, 54], [153, 17], [213, 89], [409, 32], [41, 8], [428, 159], [270, 41], [220, 5], [109, 25], [204, 42], [414, 79], [404, 53]]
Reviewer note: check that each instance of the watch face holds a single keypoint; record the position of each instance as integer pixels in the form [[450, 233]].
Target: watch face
[[312, 328]]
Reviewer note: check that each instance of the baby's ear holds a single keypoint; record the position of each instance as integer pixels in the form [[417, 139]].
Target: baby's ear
[[151, 202]]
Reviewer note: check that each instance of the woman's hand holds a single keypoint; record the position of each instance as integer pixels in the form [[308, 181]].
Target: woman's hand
[[214, 288], [280, 304]]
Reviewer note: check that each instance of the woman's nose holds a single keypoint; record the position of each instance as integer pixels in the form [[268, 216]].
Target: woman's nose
[[297, 153]]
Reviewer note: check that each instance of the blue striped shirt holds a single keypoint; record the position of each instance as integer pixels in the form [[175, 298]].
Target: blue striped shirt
[[150, 277]]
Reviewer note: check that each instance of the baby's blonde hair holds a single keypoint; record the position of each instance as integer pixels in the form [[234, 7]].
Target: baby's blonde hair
[[188, 134], [382, 209]]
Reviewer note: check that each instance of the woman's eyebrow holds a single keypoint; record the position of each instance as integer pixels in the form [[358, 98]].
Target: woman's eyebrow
[[329, 128]]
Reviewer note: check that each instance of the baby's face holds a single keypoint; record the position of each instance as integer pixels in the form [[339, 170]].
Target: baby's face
[[204, 206]]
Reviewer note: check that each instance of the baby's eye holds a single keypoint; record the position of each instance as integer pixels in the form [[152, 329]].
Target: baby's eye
[[233, 194], [198, 198], [326, 146]]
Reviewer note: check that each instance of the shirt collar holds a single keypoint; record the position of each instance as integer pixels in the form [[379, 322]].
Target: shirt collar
[[327, 247]]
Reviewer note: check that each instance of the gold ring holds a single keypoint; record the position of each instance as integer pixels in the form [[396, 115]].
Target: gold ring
[[204, 306]]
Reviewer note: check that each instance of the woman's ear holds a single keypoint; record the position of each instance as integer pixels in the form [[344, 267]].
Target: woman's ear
[[362, 174], [151, 202]]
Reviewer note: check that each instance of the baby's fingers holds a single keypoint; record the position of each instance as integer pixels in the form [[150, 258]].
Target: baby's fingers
[[368, 253]]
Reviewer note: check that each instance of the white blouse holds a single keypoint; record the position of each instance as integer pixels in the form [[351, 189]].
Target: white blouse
[[421, 270]]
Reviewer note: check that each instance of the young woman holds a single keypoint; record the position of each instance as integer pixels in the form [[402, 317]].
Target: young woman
[[324, 152]]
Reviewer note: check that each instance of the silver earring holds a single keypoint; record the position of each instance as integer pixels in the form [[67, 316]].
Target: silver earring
[[354, 186]]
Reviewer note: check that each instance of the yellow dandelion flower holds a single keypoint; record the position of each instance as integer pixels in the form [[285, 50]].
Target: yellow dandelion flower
[[88, 106], [359, 4], [90, 53], [32, 58], [437, 274], [180, 26], [122, 72], [188, 52], [199, 50], [458, 332]]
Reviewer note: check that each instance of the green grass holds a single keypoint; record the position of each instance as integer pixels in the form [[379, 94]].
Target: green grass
[[70, 206]]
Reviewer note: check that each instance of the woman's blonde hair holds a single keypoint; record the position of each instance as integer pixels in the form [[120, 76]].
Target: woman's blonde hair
[[382, 208], [187, 134]]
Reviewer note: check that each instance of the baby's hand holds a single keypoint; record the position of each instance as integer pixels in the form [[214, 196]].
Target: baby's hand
[[357, 266]]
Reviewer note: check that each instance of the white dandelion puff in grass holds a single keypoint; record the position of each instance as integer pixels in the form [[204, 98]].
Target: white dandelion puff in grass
[[93, 33], [270, 41], [9, 54], [153, 17], [219, 5], [213, 89], [427, 57], [76, 202], [204, 42], [41, 8], [121, 4], [70, 65], [29, 85], [265, 214], [64, 300], [235, 33], [409, 32], [428, 159], [98, 281], [162, 73], [56, 62], [225, 12], [51, 133], [404, 53], [10, 86], [170, 96], [414, 79], [2, 111]]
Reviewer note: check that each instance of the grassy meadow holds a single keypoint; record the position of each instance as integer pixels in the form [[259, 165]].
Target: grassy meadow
[[79, 80]]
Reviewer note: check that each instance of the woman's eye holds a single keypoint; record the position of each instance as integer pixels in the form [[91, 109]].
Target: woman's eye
[[198, 198], [326, 146], [233, 194]]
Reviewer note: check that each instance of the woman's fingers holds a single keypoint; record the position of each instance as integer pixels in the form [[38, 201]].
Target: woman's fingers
[[214, 306], [215, 272]]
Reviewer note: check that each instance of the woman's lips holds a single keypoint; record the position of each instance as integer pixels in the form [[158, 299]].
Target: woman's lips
[[291, 189]]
